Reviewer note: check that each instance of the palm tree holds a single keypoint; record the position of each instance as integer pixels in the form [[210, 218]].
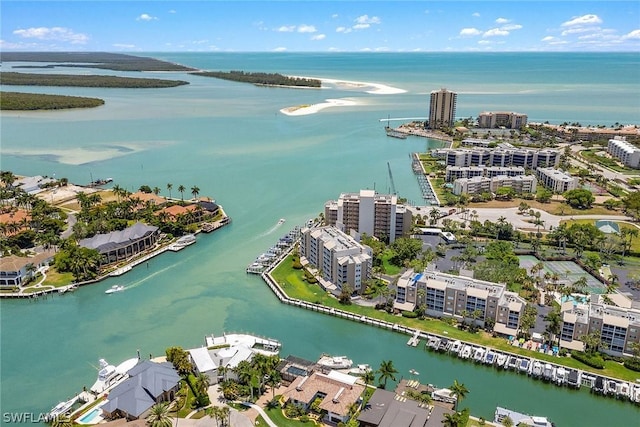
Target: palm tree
[[507, 421], [459, 391], [214, 412], [203, 382], [387, 372], [181, 189], [368, 377], [452, 419], [159, 415], [156, 190], [169, 188], [195, 191]]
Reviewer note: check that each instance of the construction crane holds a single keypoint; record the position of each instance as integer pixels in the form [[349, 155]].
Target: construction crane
[[393, 186]]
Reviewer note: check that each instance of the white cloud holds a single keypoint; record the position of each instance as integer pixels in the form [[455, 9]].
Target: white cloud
[[306, 29], [495, 32], [365, 19], [548, 39], [635, 34], [476, 14], [286, 29], [511, 27], [578, 30], [361, 26], [53, 33], [319, 37], [280, 49], [335, 15], [583, 20], [124, 46], [146, 17], [470, 32], [172, 11], [502, 21], [343, 30]]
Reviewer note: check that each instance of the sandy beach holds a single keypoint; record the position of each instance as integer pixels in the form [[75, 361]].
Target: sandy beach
[[366, 87]]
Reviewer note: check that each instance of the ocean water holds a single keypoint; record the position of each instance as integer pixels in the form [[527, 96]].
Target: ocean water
[[231, 140]]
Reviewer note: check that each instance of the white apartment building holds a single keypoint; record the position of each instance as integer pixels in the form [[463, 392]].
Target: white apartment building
[[629, 155], [378, 215], [619, 324], [483, 184], [455, 172], [442, 108], [497, 119], [504, 155], [339, 258], [455, 296], [556, 180]]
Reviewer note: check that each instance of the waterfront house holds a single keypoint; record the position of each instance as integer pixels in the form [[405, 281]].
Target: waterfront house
[[148, 383], [387, 409], [14, 220], [16, 270], [122, 245], [336, 392]]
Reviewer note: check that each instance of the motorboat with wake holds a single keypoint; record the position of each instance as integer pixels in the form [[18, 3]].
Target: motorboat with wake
[[114, 289]]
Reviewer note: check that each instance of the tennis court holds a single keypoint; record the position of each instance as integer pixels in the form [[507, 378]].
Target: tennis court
[[568, 272]]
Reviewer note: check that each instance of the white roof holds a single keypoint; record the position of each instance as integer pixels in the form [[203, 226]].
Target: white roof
[[343, 378], [202, 359]]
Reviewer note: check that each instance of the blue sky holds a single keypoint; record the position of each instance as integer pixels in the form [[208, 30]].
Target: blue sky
[[319, 26]]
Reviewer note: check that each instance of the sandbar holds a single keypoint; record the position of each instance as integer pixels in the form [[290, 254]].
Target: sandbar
[[303, 110]]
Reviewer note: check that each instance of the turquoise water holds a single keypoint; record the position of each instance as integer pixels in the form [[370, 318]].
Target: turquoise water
[[231, 141]]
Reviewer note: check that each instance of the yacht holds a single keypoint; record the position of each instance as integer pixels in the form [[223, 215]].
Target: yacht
[[610, 387], [512, 363], [106, 375], [635, 393], [114, 288], [547, 372], [183, 242], [281, 221], [335, 362], [456, 347]]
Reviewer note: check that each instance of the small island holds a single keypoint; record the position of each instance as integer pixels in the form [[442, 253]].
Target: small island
[[18, 101], [265, 79], [69, 80]]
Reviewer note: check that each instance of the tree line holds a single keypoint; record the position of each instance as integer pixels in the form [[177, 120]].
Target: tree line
[[72, 80], [18, 101], [262, 78]]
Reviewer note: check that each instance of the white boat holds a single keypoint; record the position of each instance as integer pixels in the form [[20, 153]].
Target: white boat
[[623, 391], [443, 395], [186, 240], [561, 376], [574, 379], [281, 221], [456, 347], [360, 370], [536, 369], [434, 343], [106, 376], [335, 362], [524, 365], [501, 360], [547, 372], [478, 354], [610, 387], [114, 288], [490, 357], [513, 363], [61, 409], [466, 352], [635, 394]]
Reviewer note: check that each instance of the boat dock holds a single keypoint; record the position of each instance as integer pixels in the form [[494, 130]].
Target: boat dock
[[428, 193], [276, 253], [414, 340]]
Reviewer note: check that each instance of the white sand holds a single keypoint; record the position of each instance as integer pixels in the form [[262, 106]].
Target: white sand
[[367, 87], [314, 108]]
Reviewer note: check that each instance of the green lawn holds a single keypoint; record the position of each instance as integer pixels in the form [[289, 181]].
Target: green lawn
[[56, 279], [389, 268], [635, 242], [276, 415], [295, 287]]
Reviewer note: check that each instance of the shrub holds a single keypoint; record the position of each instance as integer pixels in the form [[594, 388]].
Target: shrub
[[593, 360], [409, 314], [633, 364]]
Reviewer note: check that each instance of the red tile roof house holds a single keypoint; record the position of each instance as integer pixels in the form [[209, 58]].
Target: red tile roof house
[[337, 391]]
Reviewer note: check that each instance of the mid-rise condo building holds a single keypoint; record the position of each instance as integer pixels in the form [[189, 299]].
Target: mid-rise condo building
[[629, 155], [506, 119], [446, 295], [338, 257], [556, 180], [378, 215]]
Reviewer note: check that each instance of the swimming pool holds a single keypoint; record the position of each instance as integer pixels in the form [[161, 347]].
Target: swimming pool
[[92, 417]]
